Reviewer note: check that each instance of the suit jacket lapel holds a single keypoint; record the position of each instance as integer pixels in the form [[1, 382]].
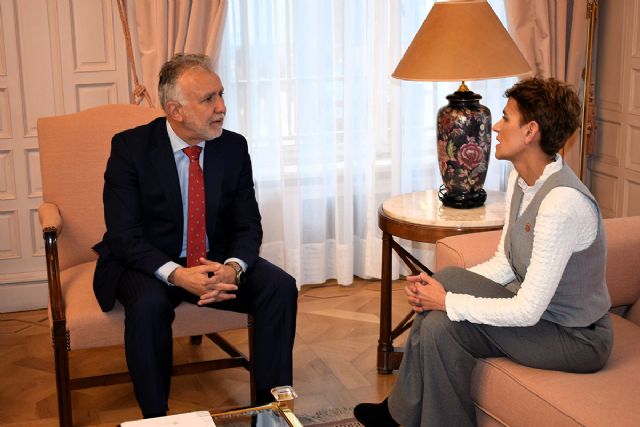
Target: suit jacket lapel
[[164, 165], [213, 173]]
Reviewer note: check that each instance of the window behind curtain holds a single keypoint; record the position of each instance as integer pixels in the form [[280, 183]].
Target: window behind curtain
[[331, 134]]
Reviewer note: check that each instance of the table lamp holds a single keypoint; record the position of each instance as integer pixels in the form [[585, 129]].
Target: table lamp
[[462, 40]]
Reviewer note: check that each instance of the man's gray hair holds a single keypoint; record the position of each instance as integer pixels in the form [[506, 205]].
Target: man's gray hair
[[173, 69]]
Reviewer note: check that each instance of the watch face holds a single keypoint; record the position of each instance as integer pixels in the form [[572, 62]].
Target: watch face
[[238, 270]]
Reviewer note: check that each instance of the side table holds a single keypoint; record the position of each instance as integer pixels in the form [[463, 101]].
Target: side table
[[421, 217]]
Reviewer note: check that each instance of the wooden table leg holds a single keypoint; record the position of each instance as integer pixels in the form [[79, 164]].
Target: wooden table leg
[[385, 343]]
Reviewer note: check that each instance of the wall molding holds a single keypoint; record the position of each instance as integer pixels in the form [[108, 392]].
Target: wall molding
[[23, 291]]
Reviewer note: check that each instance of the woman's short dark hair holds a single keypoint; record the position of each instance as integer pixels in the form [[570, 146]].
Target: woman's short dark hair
[[553, 105], [173, 69]]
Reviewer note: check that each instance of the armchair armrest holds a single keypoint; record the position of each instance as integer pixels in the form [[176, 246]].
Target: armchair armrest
[[51, 222], [466, 250], [50, 216]]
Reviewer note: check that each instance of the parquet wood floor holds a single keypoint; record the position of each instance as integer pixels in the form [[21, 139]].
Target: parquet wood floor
[[334, 364]]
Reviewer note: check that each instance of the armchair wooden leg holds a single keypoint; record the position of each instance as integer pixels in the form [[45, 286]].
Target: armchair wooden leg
[[63, 384], [252, 380], [195, 340]]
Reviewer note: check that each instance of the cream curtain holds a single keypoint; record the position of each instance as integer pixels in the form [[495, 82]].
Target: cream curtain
[[331, 134], [552, 36], [160, 29]]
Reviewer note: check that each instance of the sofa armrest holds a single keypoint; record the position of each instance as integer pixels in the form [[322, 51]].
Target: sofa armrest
[[466, 250], [623, 268]]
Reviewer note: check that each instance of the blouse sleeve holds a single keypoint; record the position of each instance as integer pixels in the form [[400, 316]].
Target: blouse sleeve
[[567, 222]]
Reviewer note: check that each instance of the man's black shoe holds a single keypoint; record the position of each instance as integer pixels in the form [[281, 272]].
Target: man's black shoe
[[374, 414], [264, 397]]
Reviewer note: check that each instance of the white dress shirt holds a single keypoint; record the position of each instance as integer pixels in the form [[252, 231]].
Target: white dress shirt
[[182, 163]]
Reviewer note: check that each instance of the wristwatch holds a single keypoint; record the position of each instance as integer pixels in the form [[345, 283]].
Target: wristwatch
[[239, 272]]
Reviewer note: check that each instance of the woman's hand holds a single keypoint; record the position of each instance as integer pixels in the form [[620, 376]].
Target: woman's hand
[[425, 293]]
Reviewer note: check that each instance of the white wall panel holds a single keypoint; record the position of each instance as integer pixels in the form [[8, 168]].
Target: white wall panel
[[36, 66], [34, 184], [9, 226], [7, 176], [631, 198], [56, 57], [635, 50], [37, 242], [5, 114], [605, 190], [607, 142], [634, 92], [92, 25], [609, 86], [94, 94], [3, 56]]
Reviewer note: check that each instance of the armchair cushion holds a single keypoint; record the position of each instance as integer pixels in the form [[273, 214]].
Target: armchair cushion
[[86, 319]]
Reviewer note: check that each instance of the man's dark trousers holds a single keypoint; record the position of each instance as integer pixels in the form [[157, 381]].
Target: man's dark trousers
[[268, 293]]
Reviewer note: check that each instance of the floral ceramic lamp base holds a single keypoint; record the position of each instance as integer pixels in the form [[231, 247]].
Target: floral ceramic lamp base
[[464, 147]]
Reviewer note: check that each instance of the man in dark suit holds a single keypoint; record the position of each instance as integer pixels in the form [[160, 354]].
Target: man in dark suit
[[150, 261]]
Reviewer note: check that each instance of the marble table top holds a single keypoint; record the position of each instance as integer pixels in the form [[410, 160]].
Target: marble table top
[[423, 207]]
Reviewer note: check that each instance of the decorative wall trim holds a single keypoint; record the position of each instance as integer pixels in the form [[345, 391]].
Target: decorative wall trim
[[609, 137], [37, 242], [606, 187], [634, 92], [95, 94], [3, 56], [32, 166], [5, 114], [30, 294], [9, 227], [36, 65], [609, 89], [93, 38], [631, 197], [7, 176]]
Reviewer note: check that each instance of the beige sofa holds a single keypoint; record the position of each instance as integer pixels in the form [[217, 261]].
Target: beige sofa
[[508, 394]]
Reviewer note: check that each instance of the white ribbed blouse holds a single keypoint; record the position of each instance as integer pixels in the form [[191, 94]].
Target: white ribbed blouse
[[567, 222]]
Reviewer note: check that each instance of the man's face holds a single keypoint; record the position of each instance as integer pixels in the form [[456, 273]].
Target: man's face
[[200, 113], [511, 132]]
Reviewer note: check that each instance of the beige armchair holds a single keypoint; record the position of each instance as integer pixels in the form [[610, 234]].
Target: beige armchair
[[73, 155]]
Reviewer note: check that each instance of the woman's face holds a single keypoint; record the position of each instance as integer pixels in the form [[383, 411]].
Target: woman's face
[[511, 132]]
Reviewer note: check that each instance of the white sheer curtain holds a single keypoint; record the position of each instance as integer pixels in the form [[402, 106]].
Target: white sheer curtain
[[331, 134]]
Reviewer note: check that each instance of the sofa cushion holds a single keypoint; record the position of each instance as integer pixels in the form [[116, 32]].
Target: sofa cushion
[[517, 395]]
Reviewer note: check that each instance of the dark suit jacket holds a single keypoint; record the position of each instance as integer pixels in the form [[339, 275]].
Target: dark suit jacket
[[143, 205]]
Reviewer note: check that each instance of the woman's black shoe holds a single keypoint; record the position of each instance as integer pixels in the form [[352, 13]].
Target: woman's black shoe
[[374, 414]]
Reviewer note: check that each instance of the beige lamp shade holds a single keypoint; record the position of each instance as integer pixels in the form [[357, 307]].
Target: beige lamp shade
[[461, 40]]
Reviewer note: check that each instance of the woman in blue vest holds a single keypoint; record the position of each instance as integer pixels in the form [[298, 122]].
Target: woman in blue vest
[[541, 300]]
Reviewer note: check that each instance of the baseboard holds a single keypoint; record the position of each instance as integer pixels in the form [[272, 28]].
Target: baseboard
[[23, 296]]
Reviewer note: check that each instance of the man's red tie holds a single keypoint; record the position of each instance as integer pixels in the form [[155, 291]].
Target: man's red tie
[[196, 225]]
